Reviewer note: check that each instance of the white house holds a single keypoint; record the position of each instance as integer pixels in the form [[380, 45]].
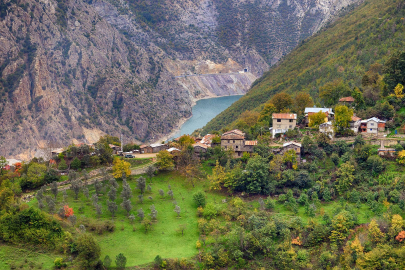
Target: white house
[[327, 128], [372, 125]]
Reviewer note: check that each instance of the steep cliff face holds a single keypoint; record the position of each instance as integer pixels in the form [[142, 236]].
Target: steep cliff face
[[75, 69]]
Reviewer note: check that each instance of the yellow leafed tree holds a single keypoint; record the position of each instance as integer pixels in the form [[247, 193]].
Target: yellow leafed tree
[[120, 167], [401, 157], [218, 177], [374, 233], [399, 91]]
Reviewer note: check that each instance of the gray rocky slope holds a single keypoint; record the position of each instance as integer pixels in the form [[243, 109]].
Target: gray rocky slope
[[77, 69]]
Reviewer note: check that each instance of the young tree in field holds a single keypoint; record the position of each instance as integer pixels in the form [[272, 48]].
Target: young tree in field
[[343, 116], [182, 228], [161, 192], [141, 184], [126, 193], [345, 177], [141, 214], [54, 189], [170, 193], [177, 210], [75, 187], [121, 166], [112, 207], [41, 205], [126, 204], [140, 197], [112, 194], [149, 188], [261, 203], [61, 212], [94, 198], [85, 175], [82, 228], [316, 119], [97, 187], [65, 195], [153, 212], [147, 224], [131, 218], [72, 219], [120, 261], [113, 182], [86, 192], [150, 171], [164, 160], [98, 210], [107, 262], [72, 176]]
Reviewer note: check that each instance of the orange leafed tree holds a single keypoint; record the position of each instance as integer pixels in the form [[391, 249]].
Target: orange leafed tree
[[68, 211], [400, 237]]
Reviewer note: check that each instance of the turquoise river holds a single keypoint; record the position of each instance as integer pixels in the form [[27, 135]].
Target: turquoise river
[[204, 111]]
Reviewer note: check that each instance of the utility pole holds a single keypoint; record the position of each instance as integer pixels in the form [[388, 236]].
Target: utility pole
[[122, 143]]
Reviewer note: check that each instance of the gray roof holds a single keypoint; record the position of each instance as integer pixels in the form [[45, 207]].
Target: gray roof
[[316, 110], [375, 119]]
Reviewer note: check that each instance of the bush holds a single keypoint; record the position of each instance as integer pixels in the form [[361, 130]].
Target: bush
[[269, 203], [120, 261], [59, 263], [282, 198], [97, 226], [76, 164], [88, 251], [394, 196], [210, 211], [335, 158], [375, 164], [62, 165], [326, 259], [199, 199]]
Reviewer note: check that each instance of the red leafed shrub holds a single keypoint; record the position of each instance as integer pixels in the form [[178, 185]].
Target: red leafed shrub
[[400, 237], [68, 211]]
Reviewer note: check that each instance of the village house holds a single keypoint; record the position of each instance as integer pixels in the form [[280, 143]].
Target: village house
[[292, 146], [146, 149], [207, 139], [200, 148], [346, 101], [283, 122], [355, 123], [115, 148], [372, 125], [329, 115], [327, 128], [157, 147], [235, 140]]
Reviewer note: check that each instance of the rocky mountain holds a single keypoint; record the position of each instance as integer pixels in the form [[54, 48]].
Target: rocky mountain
[[76, 69]]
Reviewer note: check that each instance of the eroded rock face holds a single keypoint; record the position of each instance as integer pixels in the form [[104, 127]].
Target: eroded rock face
[[76, 69]]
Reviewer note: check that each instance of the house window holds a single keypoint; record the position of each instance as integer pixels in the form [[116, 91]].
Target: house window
[[278, 120], [236, 147], [371, 124], [233, 141], [290, 126], [229, 141], [291, 120], [371, 129]]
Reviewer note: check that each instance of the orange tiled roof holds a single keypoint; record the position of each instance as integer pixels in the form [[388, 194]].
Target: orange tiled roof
[[250, 142], [285, 115], [346, 99], [355, 118]]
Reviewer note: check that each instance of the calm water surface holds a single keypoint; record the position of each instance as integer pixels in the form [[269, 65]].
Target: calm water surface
[[204, 111]]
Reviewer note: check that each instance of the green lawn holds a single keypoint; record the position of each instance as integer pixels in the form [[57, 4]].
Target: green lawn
[[23, 258], [164, 240]]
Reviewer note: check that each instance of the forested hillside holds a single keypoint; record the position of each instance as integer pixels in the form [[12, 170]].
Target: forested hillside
[[341, 54]]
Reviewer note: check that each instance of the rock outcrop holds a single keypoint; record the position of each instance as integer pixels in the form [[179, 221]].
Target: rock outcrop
[[75, 69]]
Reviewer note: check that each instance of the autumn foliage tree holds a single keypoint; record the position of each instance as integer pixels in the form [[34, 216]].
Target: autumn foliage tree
[[343, 116], [282, 101], [164, 160], [121, 167], [316, 119], [68, 211], [301, 101]]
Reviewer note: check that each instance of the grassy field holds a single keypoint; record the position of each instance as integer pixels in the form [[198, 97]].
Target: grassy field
[[130, 239], [22, 258]]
